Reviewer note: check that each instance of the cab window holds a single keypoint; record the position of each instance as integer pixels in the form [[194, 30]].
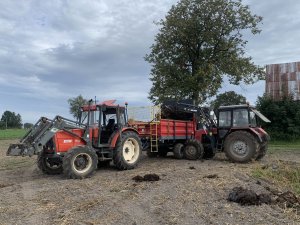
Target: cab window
[[240, 117]]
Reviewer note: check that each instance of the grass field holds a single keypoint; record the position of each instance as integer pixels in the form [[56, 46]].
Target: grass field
[[278, 146], [12, 134]]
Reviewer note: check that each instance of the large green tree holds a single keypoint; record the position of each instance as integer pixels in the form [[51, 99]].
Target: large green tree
[[198, 43], [228, 98], [10, 120], [75, 105]]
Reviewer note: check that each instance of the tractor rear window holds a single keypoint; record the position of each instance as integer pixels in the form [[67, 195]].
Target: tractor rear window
[[225, 119]]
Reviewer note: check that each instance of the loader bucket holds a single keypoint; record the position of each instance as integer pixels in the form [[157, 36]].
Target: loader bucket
[[19, 150]]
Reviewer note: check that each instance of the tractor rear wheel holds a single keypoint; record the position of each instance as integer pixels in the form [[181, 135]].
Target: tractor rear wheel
[[240, 146], [178, 151], [80, 162], [193, 150], [128, 151], [49, 165]]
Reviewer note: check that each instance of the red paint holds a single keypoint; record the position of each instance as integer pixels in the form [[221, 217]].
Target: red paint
[[65, 141]]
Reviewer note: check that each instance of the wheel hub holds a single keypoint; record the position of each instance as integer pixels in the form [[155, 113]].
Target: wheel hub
[[82, 162], [129, 150], [192, 150], [240, 147]]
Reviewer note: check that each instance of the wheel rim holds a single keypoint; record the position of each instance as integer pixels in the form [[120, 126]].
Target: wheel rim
[[240, 148], [52, 166], [82, 162], [131, 150]]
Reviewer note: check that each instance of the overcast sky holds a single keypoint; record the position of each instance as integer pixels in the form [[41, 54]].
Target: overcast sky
[[51, 51]]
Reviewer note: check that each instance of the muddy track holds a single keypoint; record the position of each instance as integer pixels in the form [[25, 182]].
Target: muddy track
[[188, 192]]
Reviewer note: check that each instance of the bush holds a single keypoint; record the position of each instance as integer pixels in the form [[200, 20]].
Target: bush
[[284, 116]]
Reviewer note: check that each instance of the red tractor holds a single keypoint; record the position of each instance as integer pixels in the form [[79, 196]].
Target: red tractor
[[191, 132], [76, 148]]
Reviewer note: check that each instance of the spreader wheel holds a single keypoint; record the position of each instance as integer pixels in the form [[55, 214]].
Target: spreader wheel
[[128, 151], [80, 162], [178, 151]]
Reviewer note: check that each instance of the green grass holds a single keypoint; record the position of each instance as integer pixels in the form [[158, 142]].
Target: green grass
[[285, 174], [12, 134], [278, 146]]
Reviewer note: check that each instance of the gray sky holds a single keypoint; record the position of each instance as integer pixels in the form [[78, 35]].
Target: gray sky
[[51, 51]]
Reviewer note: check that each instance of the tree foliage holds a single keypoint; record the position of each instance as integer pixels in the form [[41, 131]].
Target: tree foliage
[[228, 98], [198, 43], [284, 116], [75, 104], [10, 120]]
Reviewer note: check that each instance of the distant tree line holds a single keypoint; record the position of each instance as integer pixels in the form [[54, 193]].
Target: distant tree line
[[11, 120]]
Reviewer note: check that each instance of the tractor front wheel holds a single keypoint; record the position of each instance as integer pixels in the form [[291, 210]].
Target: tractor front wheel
[[128, 151], [80, 162], [193, 150], [49, 165], [240, 146]]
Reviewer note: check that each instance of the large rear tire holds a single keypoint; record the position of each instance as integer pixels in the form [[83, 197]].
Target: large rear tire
[[240, 146], [49, 165], [178, 151], [128, 151], [193, 150], [79, 163]]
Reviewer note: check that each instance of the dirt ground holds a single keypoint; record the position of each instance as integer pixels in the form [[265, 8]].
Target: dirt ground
[[188, 192]]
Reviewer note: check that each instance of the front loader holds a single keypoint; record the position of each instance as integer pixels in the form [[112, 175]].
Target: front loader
[[76, 148]]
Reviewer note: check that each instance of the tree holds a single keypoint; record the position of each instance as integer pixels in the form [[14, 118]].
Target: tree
[[228, 98], [11, 120], [284, 116], [75, 104], [199, 42]]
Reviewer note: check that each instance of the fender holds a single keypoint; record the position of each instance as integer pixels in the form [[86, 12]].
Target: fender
[[116, 135], [258, 132]]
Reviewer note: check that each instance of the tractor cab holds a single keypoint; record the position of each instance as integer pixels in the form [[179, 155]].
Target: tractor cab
[[238, 117], [103, 120]]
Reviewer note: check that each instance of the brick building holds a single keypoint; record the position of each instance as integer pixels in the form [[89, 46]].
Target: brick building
[[283, 79]]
